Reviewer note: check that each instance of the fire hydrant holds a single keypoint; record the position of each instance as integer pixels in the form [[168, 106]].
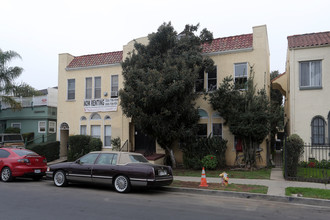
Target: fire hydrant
[[225, 179]]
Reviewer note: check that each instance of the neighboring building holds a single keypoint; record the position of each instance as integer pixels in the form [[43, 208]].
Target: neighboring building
[[88, 92], [306, 87], [38, 116]]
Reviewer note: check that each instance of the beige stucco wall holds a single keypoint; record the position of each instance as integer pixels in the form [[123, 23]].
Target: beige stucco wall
[[306, 104], [70, 111], [258, 57]]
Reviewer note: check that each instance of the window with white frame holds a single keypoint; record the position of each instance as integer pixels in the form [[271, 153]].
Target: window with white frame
[[83, 129], [107, 135], [212, 79], [318, 131], [95, 116], [241, 75], [88, 88], [96, 131], [51, 126], [114, 86], [199, 84], [16, 125], [310, 74], [71, 89], [42, 126], [97, 87]]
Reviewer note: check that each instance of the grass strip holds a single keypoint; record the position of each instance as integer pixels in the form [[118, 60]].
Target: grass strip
[[308, 192], [217, 186], [240, 174]]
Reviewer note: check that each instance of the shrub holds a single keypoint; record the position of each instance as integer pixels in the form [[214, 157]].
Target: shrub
[[13, 130], [195, 152], [28, 137], [51, 150], [80, 145], [294, 149], [210, 162], [115, 143]]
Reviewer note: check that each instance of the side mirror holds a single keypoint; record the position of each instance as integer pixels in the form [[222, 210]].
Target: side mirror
[[78, 161]]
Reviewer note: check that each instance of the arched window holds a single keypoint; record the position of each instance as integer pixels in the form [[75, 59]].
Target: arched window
[[318, 130], [107, 117], [83, 118], [202, 113], [95, 116]]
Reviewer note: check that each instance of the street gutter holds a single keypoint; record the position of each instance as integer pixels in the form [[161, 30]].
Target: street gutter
[[257, 196]]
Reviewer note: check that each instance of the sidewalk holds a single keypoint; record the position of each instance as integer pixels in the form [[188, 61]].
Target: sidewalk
[[276, 184]]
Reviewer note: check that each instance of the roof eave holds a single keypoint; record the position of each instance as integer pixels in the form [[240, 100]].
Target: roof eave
[[92, 67], [229, 51]]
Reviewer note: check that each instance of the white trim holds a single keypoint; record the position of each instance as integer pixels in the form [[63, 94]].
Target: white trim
[[17, 123], [39, 127]]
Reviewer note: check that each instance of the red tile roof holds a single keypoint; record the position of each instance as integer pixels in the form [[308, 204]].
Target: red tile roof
[[217, 45], [309, 40], [96, 60], [229, 43]]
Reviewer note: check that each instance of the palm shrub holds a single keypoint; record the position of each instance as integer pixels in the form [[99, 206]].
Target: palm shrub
[[294, 149]]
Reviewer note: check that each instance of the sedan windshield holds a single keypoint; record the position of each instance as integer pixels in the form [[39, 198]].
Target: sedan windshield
[[138, 159]]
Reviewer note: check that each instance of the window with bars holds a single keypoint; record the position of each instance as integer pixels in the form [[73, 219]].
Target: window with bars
[[318, 131]]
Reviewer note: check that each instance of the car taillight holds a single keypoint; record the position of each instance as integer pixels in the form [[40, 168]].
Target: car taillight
[[23, 160]]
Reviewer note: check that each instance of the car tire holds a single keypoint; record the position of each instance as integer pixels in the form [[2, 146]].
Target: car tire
[[6, 175], [122, 184], [60, 178]]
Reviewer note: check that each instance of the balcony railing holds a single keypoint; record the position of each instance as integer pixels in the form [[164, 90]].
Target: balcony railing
[[28, 101]]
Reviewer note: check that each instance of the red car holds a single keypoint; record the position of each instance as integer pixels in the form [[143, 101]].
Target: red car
[[15, 162]]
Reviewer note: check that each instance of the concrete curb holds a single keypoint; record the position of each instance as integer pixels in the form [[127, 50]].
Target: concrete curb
[[257, 196]]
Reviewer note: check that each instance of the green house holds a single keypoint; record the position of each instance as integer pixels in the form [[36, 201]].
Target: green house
[[38, 116]]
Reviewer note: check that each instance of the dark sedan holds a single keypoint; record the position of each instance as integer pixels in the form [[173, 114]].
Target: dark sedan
[[119, 169]]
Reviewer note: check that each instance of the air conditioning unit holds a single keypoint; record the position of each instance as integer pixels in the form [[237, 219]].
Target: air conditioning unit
[[114, 93]]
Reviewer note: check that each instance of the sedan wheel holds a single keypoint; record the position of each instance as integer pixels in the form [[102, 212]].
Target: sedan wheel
[[6, 175], [60, 178], [122, 184]]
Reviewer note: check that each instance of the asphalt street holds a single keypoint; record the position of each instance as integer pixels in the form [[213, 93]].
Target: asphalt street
[[26, 199]]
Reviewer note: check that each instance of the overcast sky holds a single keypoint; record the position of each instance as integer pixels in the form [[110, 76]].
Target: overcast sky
[[39, 30]]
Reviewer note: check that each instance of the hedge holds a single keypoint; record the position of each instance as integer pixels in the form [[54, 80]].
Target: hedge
[[51, 150], [80, 145]]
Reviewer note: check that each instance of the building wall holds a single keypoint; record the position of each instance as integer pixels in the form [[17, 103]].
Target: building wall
[[258, 57], [71, 111], [28, 118], [304, 105]]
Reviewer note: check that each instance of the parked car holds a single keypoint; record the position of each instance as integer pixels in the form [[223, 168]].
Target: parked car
[[119, 169], [16, 162], [12, 140]]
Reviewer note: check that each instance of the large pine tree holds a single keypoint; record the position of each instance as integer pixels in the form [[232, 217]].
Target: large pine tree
[[159, 82]]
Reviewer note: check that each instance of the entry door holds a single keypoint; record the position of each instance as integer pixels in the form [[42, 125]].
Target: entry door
[[144, 144]]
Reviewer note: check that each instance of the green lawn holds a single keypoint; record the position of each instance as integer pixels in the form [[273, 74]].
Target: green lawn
[[217, 186], [314, 173], [308, 192], [245, 174]]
